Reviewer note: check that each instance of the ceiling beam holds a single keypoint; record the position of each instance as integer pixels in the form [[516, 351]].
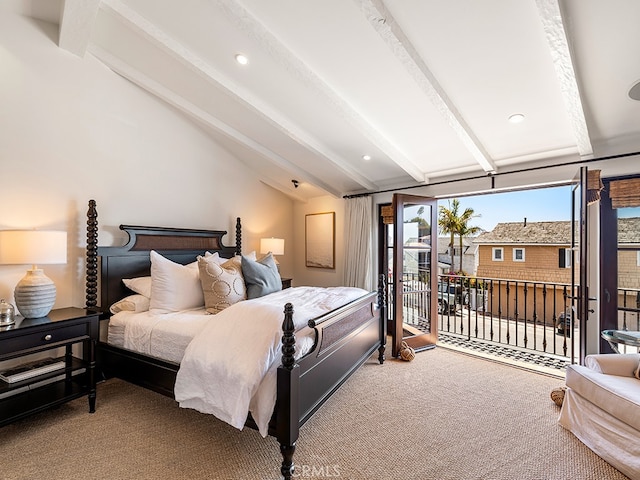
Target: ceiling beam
[[385, 25], [77, 18], [553, 26], [246, 22]]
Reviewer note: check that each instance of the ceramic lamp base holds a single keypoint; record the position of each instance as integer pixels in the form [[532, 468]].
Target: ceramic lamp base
[[35, 294]]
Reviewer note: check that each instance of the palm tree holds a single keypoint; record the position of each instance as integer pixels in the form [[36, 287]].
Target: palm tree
[[455, 223], [466, 230], [448, 223]]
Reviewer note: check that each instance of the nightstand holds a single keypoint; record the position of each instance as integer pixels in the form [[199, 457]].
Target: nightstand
[[71, 377], [286, 283]]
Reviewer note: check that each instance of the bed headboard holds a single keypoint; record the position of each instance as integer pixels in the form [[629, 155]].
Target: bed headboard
[[110, 265]]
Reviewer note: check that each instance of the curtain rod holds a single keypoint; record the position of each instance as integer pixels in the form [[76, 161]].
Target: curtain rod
[[493, 175]]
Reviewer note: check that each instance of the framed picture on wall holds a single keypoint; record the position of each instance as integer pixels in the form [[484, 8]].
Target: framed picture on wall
[[320, 240]]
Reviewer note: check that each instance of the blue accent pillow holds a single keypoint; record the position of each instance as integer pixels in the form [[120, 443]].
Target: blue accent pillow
[[261, 276]]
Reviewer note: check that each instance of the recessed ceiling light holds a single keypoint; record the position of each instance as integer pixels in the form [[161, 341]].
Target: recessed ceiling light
[[366, 157], [241, 59], [516, 118], [634, 92]]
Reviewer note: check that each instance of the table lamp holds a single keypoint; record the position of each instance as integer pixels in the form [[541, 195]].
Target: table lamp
[[273, 245], [35, 294]]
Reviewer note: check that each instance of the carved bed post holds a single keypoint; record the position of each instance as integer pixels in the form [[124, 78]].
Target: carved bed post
[[382, 306], [238, 237], [92, 256], [287, 403]]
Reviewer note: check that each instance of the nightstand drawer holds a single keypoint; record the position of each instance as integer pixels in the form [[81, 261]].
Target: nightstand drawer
[[49, 337]]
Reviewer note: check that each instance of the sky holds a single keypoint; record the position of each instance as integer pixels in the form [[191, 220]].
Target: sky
[[544, 204]]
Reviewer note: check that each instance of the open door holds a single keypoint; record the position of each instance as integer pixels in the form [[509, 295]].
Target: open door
[[414, 272], [579, 265], [619, 259]]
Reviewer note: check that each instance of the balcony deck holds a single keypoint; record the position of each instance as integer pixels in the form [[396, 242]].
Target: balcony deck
[[554, 365]]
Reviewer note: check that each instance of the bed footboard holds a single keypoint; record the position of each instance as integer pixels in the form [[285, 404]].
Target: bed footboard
[[345, 339]]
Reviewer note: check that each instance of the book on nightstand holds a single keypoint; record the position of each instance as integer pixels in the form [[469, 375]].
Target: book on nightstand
[[31, 369]]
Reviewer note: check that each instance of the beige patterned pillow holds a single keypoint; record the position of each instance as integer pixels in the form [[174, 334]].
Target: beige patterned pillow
[[222, 284]]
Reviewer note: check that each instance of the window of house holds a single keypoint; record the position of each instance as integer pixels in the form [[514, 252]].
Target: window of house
[[564, 258], [518, 254], [638, 258], [497, 254]]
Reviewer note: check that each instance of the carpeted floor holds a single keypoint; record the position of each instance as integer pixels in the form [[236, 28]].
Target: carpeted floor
[[446, 415]]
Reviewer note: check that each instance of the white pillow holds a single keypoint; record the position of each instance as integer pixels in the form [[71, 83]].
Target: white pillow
[[132, 303], [219, 260], [141, 285], [174, 287], [215, 257]]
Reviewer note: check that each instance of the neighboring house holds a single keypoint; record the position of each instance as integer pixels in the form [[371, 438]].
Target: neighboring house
[[628, 271], [629, 253], [532, 251], [536, 258], [469, 254]]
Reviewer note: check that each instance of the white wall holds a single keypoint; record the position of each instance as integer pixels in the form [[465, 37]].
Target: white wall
[[72, 130]]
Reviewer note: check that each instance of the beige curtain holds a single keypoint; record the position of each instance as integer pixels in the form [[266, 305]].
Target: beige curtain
[[358, 213]]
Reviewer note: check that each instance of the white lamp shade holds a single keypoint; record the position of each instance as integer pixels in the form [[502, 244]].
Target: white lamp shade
[[35, 247], [35, 294], [273, 245]]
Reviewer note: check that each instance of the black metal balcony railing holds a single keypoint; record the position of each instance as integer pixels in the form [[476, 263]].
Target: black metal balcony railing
[[529, 315], [628, 309]]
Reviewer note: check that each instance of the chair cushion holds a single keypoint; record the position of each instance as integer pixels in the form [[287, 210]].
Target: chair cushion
[[617, 395], [622, 364]]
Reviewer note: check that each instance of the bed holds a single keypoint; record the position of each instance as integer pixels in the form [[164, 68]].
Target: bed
[[313, 360]]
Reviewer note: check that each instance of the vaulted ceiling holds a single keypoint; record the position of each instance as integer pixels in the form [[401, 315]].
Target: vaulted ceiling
[[423, 88]]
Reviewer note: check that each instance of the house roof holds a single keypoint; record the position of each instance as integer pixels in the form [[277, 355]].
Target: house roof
[[629, 230], [528, 233], [466, 241], [550, 233]]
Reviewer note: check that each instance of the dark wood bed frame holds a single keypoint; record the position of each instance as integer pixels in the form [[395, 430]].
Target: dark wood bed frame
[[345, 337]]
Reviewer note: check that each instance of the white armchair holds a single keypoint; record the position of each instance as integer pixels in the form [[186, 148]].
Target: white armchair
[[601, 408]]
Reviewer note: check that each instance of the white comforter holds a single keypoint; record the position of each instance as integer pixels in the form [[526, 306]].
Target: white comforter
[[164, 336], [229, 368]]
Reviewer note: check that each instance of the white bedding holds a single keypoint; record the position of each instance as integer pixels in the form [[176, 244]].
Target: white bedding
[[164, 336], [229, 368]]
